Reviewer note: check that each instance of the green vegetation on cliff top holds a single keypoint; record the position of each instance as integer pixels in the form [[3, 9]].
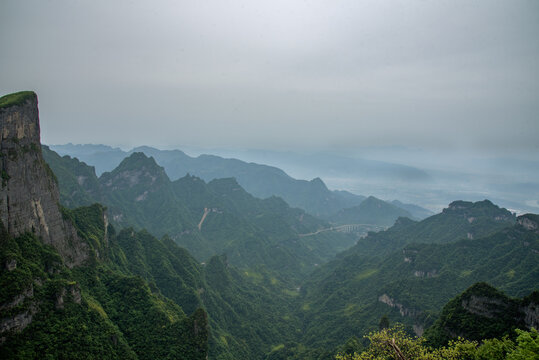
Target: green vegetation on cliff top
[[17, 98]]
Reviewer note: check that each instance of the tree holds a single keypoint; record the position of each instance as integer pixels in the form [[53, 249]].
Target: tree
[[384, 322], [527, 346], [395, 344]]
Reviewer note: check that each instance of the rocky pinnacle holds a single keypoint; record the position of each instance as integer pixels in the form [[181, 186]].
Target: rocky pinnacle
[[29, 196]]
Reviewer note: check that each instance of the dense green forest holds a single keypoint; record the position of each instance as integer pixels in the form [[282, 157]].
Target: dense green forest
[[407, 272], [265, 281], [208, 219], [413, 282], [91, 311]]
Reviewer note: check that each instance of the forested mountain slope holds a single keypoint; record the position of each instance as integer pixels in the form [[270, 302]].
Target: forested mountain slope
[[460, 220], [75, 286], [59, 297], [411, 283], [483, 312], [218, 217]]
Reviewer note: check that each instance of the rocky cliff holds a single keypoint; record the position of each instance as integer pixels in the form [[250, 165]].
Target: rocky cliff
[[529, 221], [29, 197], [483, 312]]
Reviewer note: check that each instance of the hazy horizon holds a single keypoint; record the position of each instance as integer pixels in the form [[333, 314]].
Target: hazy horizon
[[285, 75], [428, 180], [450, 88]]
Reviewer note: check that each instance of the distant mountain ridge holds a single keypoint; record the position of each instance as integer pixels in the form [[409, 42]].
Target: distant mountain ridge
[[460, 220], [207, 218], [416, 211], [371, 211], [259, 180]]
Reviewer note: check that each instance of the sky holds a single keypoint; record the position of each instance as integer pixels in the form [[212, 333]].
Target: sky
[[281, 75]]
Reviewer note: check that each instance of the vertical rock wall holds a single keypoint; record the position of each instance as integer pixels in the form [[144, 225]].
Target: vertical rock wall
[[29, 196]]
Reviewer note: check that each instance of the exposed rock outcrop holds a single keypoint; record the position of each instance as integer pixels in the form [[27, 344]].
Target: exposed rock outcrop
[[529, 222], [404, 311], [417, 315], [484, 306], [470, 211], [483, 312], [17, 323], [73, 291], [428, 274], [29, 196]]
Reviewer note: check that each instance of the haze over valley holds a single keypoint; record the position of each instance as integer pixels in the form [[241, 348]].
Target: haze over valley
[[429, 179]]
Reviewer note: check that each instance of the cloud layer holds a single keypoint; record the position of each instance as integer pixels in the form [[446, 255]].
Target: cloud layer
[[278, 74]]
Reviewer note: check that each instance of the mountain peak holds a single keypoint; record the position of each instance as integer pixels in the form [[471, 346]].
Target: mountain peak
[[480, 312], [461, 204], [136, 169], [473, 210], [318, 184], [225, 185], [20, 119], [372, 198], [139, 160]]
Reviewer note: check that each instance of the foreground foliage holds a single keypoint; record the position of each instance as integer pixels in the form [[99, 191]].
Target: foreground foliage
[[49, 311], [395, 343]]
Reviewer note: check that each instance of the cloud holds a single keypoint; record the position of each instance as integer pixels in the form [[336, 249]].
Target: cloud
[[278, 74]]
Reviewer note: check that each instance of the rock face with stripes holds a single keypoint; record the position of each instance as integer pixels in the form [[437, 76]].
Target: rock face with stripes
[[29, 196]]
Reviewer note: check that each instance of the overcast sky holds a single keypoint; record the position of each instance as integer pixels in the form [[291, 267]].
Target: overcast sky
[[278, 74]]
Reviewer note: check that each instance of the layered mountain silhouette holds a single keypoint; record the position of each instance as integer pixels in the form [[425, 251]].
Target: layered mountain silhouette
[[91, 267], [213, 218]]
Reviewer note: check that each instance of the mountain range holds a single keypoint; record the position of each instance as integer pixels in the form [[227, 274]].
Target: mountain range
[[259, 180], [208, 219], [409, 271], [84, 276]]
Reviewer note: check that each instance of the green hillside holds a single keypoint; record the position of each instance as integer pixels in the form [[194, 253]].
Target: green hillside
[[78, 183], [208, 219], [460, 220], [132, 300], [348, 296], [482, 312], [94, 282], [247, 310], [90, 311]]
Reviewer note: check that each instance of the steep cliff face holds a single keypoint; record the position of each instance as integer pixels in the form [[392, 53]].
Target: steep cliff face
[[29, 197], [483, 312], [529, 222]]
